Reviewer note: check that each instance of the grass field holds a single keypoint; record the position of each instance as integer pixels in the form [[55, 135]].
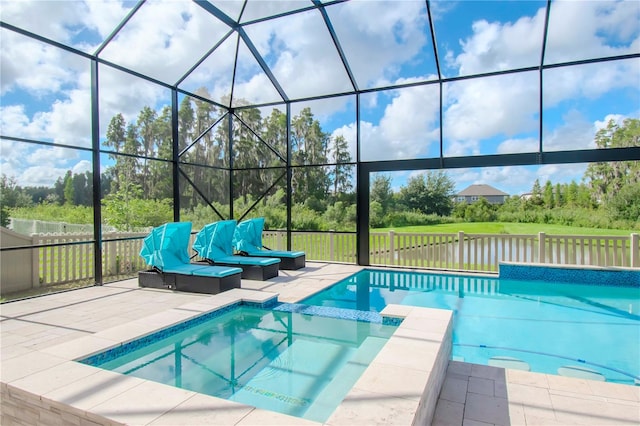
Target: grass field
[[506, 228]]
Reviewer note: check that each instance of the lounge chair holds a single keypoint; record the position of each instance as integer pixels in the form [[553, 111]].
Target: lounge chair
[[247, 239], [214, 244], [165, 250]]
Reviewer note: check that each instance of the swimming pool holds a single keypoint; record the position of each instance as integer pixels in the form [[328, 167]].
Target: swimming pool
[[276, 359], [578, 330]]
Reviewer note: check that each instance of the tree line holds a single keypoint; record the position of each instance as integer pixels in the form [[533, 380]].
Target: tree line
[[256, 151], [137, 185], [137, 188]]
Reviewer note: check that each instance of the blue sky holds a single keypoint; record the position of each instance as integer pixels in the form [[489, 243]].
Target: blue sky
[[45, 91]]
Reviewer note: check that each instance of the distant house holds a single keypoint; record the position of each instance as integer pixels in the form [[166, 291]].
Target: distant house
[[475, 192]]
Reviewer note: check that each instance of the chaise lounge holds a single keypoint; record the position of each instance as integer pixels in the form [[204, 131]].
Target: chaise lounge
[[247, 239], [214, 244], [165, 250]]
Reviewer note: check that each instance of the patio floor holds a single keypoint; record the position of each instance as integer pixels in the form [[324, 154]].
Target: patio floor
[[471, 394]]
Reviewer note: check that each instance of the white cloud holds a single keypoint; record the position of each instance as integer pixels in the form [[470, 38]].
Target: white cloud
[[38, 165], [51, 19], [459, 148], [617, 118], [490, 108], [560, 173], [501, 46], [380, 37], [348, 132], [301, 55], [516, 145], [12, 157], [517, 180], [165, 39], [104, 16], [483, 108], [589, 81], [407, 128], [126, 94], [35, 67], [575, 132], [41, 175], [592, 29], [81, 167], [480, 109]]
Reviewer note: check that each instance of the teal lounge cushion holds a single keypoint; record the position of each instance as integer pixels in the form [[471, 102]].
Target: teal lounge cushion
[[217, 271], [245, 260], [276, 253], [202, 271]]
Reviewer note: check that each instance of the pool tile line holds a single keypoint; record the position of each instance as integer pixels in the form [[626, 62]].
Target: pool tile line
[[126, 347], [583, 275], [331, 312]]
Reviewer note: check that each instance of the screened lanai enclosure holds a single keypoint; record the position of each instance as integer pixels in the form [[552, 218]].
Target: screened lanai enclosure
[[136, 113]]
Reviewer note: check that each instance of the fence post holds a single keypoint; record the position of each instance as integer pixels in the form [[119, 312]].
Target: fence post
[[35, 264], [460, 249], [635, 250], [541, 244], [331, 234], [392, 247], [110, 264]]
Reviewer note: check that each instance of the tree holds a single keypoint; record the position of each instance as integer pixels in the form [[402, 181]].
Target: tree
[[343, 172], [429, 193], [549, 200], [536, 194], [146, 131], [459, 209], [572, 194], [11, 194], [83, 189], [607, 179], [559, 195], [381, 192], [309, 147], [251, 153], [68, 188], [624, 205], [161, 182], [480, 211], [376, 215], [116, 135]]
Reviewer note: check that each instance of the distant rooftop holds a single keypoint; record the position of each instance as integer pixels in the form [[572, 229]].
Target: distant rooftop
[[481, 190]]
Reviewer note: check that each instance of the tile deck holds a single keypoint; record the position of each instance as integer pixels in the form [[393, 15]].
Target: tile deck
[[40, 335]]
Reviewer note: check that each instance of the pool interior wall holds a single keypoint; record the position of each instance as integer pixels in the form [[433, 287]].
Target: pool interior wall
[[538, 325]]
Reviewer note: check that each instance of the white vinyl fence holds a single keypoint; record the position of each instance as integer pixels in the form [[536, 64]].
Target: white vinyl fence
[[72, 257], [483, 252], [32, 227]]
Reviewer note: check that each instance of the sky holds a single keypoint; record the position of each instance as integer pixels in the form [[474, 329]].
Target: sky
[[45, 91]]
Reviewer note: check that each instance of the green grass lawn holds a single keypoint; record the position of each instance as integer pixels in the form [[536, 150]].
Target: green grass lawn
[[505, 228]]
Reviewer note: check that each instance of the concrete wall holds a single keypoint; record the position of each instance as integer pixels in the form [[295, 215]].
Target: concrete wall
[[23, 408], [17, 266]]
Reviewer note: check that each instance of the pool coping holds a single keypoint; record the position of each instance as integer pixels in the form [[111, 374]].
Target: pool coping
[[418, 352]]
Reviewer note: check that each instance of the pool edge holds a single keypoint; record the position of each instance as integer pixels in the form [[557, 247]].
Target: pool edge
[[102, 406]]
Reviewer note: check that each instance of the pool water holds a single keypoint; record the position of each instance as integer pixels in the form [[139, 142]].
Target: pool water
[[288, 362], [578, 330]]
